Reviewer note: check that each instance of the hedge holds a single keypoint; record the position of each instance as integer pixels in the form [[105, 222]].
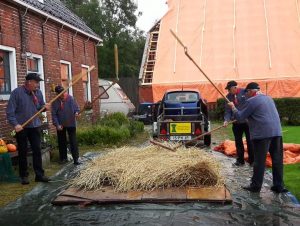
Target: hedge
[[113, 129], [288, 109]]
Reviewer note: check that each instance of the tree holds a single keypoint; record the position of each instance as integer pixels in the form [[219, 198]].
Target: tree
[[115, 22]]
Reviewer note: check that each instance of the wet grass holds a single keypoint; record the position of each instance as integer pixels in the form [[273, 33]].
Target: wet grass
[[10, 192], [292, 179], [291, 134]]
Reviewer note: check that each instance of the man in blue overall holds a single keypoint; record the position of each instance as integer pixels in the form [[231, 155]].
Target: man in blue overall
[[23, 103], [238, 97], [265, 133], [64, 113]]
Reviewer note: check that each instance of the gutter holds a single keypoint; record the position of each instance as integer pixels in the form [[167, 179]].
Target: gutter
[[57, 20]]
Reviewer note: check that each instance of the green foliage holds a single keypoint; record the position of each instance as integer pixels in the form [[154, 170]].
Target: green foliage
[[113, 129], [102, 135], [290, 134], [116, 119], [288, 109], [115, 22], [291, 178], [218, 113], [135, 127]]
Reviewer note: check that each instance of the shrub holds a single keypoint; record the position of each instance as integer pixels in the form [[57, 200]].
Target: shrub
[[288, 109], [113, 129], [102, 135], [135, 127], [114, 118], [218, 113]]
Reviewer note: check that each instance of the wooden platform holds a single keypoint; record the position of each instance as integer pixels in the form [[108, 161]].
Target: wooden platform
[[73, 196]]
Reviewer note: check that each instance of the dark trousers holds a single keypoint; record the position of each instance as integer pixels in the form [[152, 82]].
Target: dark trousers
[[62, 143], [261, 147], [33, 135], [238, 130]]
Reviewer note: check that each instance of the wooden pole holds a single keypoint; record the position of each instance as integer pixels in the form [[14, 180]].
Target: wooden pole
[[202, 135], [77, 78], [98, 96], [189, 56], [114, 82], [161, 145], [116, 61], [190, 141]]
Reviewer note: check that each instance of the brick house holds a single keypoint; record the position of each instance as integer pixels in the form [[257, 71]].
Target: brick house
[[44, 36]]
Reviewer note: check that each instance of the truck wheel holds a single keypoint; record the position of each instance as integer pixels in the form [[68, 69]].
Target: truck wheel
[[207, 140]]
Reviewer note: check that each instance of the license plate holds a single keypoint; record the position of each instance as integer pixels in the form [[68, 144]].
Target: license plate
[[178, 138], [183, 127]]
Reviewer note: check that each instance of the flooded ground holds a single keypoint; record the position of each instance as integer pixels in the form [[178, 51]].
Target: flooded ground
[[266, 208]]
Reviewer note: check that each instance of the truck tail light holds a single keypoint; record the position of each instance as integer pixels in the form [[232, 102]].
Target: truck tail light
[[163, 130], [198, 132]]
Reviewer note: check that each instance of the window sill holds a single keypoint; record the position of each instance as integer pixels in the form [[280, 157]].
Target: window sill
[[4, 97]]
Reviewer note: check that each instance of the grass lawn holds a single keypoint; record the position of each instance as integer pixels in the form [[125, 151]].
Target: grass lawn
[[292, 179], [291, 134]]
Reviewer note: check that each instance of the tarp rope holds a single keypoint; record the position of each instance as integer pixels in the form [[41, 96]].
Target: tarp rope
[[202, 33], [298, 13], [268, 36], [176, 42], [233, 34]]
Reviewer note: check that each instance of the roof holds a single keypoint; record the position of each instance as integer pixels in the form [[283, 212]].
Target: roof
[[58, 10]]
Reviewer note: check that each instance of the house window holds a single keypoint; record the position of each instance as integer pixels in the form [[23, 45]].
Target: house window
[[35, 64], [86, 82], [32, 65], [66, 75], [5, 87], [8, 71]]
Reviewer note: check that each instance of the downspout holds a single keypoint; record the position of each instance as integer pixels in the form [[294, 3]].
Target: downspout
[[22, 33]]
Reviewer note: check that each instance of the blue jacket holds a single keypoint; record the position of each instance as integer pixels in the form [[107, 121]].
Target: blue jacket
[[63, 112], [22, 106], [239, 104], [262, 115]]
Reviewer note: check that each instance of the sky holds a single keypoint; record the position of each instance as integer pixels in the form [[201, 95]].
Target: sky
[[152, 10]]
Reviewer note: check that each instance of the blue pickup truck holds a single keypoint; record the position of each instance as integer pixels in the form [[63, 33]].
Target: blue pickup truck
[[181, 116]]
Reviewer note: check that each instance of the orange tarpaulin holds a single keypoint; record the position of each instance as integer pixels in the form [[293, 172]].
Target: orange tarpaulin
[[273, 88], [291, 152], [233, 40]]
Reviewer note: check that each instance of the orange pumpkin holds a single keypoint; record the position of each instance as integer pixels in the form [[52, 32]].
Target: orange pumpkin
[[3, 148], [11, 147], [2, 142]]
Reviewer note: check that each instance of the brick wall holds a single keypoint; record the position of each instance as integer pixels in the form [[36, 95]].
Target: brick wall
[[30, 33]]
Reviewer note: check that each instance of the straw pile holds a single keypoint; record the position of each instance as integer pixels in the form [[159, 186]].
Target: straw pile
[[146, 169]]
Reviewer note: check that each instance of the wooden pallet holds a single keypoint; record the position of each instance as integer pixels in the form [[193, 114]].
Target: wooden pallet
[[73, 196]]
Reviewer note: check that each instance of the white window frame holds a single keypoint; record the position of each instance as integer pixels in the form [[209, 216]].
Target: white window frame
[[13, 70], [70, 74], [89, 82], [41, 72]]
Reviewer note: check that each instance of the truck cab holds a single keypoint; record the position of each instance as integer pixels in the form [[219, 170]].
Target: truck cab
[[181, 116]]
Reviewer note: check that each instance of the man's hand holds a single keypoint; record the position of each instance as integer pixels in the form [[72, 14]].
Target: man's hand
[[59, 128], [18, 128], [230, 104], [225, 124]]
